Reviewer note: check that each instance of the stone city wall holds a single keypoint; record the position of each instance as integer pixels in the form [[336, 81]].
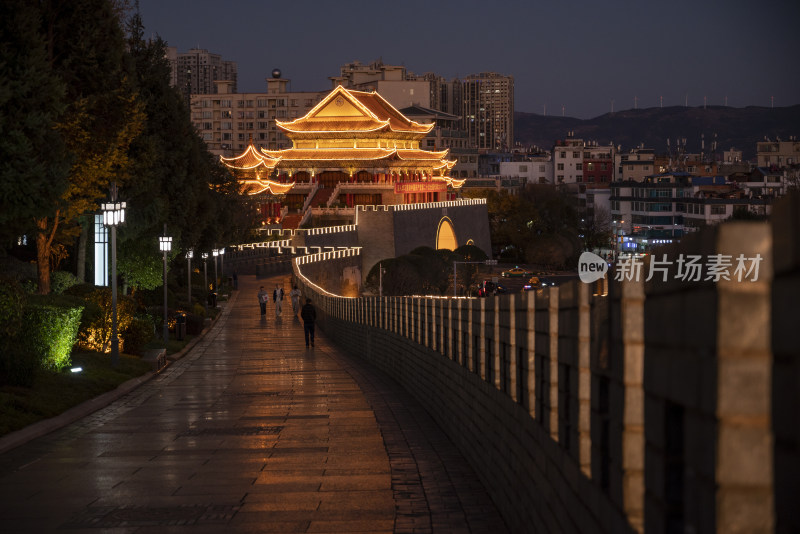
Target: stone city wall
[[616, 406]]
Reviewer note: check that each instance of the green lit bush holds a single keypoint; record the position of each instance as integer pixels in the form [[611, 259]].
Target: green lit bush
[[60, 281], [50, 330]]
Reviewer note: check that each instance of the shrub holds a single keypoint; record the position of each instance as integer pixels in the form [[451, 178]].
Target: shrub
[[60, 281], [194, 324], [50, 329], [17, 361], [12, 300], [199, 309], [140, 332], [96, 335]]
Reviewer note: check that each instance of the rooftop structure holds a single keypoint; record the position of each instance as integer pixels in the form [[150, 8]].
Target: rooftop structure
[[353, 148]]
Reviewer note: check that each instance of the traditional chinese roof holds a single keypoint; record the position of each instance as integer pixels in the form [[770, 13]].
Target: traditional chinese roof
[[256, 187], [353, 111], [455, 183], [250, 159]]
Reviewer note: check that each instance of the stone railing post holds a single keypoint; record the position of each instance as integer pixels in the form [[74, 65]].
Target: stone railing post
[[584, 381], [552, 310], [496, 353], [530, 377], [632, 323], [744, 475], [513, 372]]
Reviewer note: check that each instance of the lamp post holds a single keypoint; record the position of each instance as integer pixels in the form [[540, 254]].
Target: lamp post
[[113, 215], [215, 253], [222, 262], [189, 256], [165, 244], [205, 279]]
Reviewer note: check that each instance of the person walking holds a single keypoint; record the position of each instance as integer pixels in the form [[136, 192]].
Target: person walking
[[309, 315], [263, 297], [295, 295], [277, 297]]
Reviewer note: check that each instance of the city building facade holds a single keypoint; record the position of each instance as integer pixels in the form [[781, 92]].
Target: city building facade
[[227, 121], [487, 110], [194, 72], [778, 153]]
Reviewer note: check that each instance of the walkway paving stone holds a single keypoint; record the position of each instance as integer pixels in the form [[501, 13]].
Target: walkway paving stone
[[249, 432]]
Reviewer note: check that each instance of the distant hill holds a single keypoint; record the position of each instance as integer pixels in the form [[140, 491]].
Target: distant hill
[[740, 128]]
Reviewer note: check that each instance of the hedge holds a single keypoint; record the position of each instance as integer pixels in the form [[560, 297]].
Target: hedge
[[51, 330]]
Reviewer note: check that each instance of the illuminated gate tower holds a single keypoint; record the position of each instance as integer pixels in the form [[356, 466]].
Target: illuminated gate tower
[[353, 148]]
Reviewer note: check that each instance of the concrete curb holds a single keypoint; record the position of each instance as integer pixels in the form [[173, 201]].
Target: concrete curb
[[39, 429]]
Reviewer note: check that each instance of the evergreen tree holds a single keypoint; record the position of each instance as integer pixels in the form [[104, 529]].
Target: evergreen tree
[[178, 182], [86, 49], [35, 164]]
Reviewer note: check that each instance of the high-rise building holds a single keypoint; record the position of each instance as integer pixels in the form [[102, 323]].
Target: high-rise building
[[487, 110], [485, 101], [227, 121], [194, 72]]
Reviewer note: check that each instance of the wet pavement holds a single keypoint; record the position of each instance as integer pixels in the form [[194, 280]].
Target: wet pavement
[[249, 432]]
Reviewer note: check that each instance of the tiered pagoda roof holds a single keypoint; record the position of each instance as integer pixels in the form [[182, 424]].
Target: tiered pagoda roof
[[353, 112], [347, 130]]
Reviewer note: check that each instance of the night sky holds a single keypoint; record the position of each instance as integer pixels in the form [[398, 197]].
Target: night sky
[[579, 54]]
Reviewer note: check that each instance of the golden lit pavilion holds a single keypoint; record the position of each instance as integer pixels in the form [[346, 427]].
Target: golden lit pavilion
[[353, 148]]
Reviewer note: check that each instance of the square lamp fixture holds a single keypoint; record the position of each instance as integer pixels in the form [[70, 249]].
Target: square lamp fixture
[[113, 213], [164, 243]]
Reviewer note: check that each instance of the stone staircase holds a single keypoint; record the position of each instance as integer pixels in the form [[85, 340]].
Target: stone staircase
[[291, 221], [322, 197]]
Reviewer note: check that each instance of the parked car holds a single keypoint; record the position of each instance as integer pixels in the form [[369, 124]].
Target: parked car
[[487, 288], [516, 272]]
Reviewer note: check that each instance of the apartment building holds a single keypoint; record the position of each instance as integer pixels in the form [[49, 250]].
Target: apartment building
[[227, 120], [635, 164], [536, 169], [778, 153], [583, 162], [194, 72], [487, 110], [667, 206]]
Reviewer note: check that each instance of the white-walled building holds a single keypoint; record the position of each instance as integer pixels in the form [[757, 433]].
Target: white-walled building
[[534, 170], [634, 164]]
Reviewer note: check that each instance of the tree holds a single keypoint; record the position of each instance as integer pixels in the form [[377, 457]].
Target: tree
[[596, 230], [35, 166], [85, 49], [178, 182]]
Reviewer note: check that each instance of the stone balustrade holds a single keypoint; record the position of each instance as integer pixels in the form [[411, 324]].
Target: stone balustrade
[[631, 406]]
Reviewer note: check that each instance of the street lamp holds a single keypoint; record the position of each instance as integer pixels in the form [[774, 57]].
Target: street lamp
[[189, 256], [205, 278], [222, 262], [113, 215], [215, 253], [165, 245]]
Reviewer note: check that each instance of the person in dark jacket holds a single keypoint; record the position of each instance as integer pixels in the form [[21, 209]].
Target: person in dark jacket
[[309, 315]]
